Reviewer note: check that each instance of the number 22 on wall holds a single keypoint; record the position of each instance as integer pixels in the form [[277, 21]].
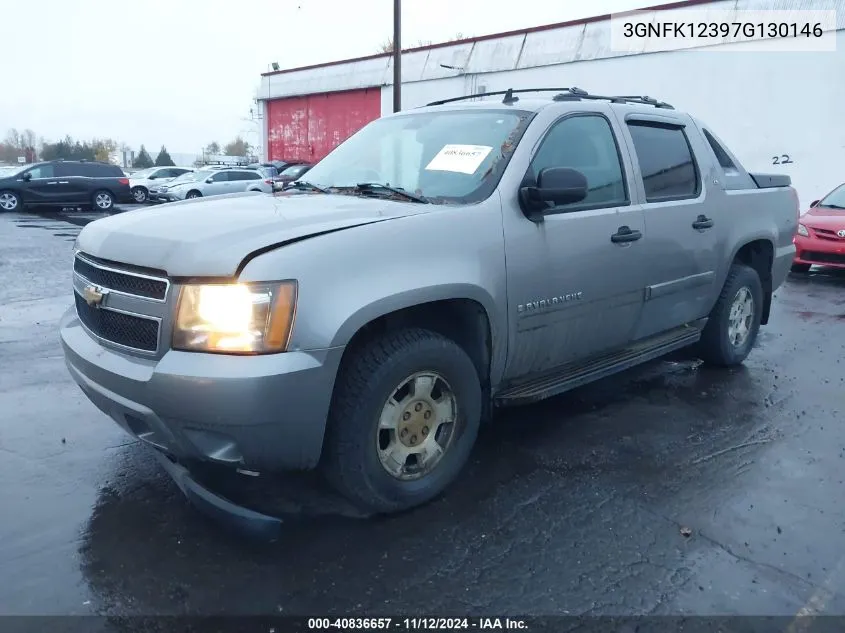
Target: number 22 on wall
[[783, 159]]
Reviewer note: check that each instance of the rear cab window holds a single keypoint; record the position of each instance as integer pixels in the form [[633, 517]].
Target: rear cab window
[[722, 156]]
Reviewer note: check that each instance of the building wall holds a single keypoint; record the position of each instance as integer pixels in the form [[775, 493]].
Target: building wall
[[309, 127]]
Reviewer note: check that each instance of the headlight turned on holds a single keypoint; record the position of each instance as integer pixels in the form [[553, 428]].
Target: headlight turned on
[[235, 318], [802, 230]]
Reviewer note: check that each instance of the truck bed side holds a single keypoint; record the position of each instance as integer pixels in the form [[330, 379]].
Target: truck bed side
[[763, 211]]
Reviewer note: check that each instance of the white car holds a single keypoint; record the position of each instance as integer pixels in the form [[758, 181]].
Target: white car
[[142, 181]]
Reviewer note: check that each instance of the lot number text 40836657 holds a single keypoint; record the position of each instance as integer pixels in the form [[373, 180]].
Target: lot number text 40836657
[[418, 624]]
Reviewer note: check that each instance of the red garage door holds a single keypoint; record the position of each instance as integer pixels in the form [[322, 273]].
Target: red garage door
[[307, 128]]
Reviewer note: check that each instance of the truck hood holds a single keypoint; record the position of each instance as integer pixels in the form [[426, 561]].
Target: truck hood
[[210, 238], [824, 218]]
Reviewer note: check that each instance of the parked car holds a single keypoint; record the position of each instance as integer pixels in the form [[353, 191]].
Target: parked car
[[214, 182], [64, 183], [140, 182], [268, 169], [290, 174], [821, 233], [155, 191], [533, 246], [281, 165]]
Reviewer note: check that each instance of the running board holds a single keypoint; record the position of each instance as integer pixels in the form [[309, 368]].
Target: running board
[[577, 374]]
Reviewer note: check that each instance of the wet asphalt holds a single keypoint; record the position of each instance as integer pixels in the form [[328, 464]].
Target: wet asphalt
[[671, 489]]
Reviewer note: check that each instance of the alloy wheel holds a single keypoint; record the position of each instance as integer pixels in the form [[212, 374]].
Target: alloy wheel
[[417, 426], [740, 317]]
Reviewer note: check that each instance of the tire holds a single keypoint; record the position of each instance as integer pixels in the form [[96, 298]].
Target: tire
[[140, 194], [715, 346], [193, 194], [10, 202], [102, 201], [800, 268], [352, 455]]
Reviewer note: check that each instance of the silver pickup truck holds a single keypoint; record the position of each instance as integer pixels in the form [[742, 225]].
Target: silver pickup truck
[[443, 261]]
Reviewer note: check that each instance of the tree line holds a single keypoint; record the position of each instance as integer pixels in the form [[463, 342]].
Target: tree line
[[17, 144]]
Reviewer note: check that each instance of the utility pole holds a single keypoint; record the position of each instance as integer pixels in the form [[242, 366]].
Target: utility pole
[[397, 55]]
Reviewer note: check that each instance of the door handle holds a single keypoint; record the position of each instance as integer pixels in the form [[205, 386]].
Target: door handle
[[53, 183], [625, 234], [702, 222]]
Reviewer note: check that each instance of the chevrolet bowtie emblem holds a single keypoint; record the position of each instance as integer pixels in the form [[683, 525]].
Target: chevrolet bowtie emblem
[[94, 295]]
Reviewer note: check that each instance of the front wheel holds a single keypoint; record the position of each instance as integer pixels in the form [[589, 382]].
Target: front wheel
[[800, 268], [735, 319], [404, 418], [10, 201], [140, 195], [103, 201], [193, 194]]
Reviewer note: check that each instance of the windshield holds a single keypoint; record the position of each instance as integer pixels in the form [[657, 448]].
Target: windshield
[[14, 170], [294, 171], [835, 198], [447, 156]]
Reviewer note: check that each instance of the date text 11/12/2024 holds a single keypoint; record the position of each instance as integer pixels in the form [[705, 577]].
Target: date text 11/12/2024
[[417, 624]]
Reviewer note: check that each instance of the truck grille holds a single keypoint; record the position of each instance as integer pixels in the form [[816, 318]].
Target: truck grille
[[131, 308], [117, 327], [121, 281]]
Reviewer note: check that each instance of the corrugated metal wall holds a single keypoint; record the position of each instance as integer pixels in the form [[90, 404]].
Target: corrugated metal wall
[[307, 128]]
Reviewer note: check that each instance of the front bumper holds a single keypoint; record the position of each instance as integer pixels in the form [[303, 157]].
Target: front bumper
[[820, 252], [254, 413], [219, 508]]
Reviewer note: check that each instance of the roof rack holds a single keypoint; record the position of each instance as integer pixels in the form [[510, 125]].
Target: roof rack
[[564, 94]]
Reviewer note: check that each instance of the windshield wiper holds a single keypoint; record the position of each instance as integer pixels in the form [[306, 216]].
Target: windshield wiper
[[303, 185], [831, 206], [369, 186]]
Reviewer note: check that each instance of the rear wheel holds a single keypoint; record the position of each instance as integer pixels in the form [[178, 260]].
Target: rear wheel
[[735, 319], [193, 194], [800, 268], [103, 201], [10, 201], [403, 421], [140, 195]]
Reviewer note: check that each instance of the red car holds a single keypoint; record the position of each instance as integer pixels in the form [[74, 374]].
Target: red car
[[821, 233]]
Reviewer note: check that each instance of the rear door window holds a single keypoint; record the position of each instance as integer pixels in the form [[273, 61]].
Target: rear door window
[[666, 161]]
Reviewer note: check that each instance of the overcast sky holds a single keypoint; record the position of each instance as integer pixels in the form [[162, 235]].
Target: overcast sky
[[184, 72]]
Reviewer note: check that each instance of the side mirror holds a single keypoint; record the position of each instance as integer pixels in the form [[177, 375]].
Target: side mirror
[[27, 176], [815, 203], [558, 185], [209, 180]]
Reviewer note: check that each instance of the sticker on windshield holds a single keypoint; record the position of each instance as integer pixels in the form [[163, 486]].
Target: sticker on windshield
[[464, 159]]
